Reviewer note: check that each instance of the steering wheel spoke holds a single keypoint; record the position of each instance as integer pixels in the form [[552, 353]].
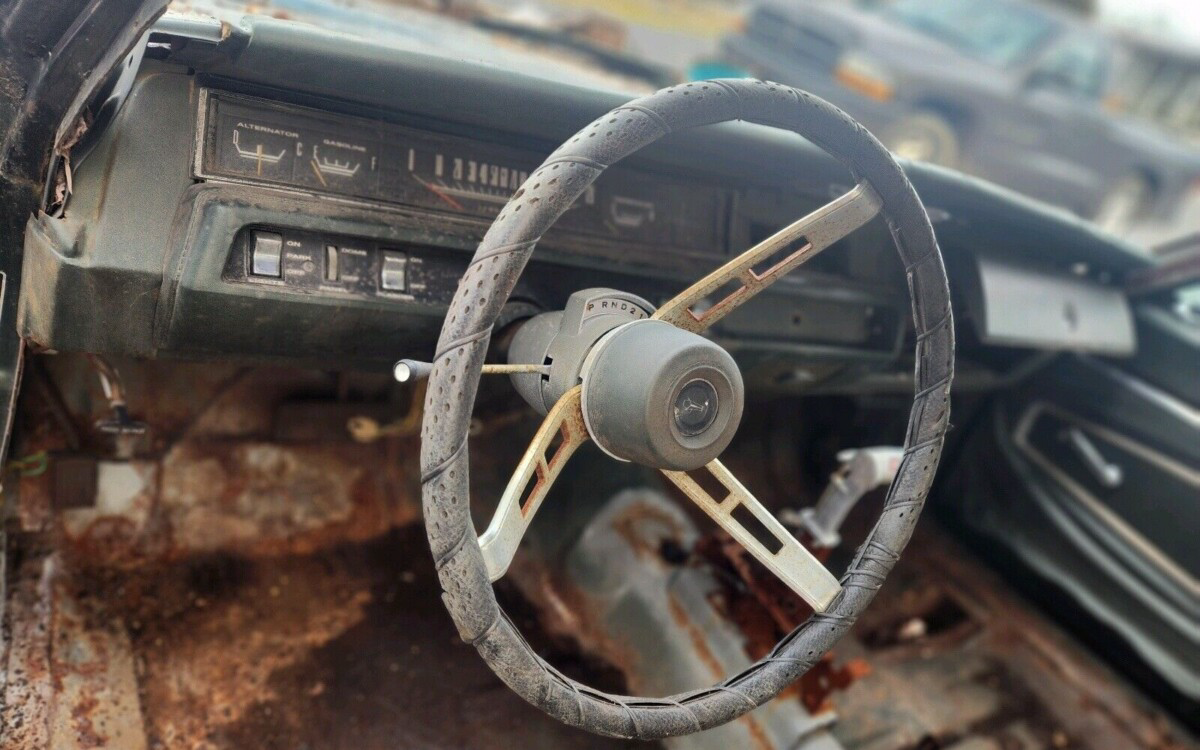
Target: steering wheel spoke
[[561, 434], [818, 230], [753, 526]]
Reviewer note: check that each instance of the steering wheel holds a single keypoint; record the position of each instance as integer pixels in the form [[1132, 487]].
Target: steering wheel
[[652, 390]]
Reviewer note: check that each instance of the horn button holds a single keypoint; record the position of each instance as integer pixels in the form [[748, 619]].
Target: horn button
[[660, 396], [696, 407]]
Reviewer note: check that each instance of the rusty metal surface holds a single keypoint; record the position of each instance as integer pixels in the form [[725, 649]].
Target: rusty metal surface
[[235, 584], [958, 658], [344, 648], [96, 702], [71, 672], [28, 689], [766, 610], [213, 475], [620, 597], [948, 656]]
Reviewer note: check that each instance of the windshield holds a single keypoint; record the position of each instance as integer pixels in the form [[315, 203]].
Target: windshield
[[995, 32]]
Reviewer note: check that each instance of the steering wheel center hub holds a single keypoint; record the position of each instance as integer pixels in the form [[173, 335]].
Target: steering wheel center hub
[[661, 396]]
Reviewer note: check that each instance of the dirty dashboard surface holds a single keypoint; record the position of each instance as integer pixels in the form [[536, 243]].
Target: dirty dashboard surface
[[265, 191], [263, 217]]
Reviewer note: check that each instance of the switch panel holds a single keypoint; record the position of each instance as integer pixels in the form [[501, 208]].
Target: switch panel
[[339, 266], [266, 253]]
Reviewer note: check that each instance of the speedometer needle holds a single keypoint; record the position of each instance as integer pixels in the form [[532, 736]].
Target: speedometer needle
[[449, 200]]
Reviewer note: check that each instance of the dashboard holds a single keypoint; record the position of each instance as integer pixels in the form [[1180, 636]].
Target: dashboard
[[251, 140], [299, 201]]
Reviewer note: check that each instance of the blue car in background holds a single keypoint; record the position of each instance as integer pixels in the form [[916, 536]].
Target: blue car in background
[[1015, 92]]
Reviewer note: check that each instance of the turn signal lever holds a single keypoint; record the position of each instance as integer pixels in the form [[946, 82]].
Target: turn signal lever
[[564, 337], [862, 470], [409, 370]]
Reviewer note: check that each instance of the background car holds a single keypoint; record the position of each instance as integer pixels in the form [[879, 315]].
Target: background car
[[1017, 93]]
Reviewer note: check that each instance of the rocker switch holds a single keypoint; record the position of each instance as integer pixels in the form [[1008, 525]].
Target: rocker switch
[[333, 258], [393, 272], [266, 251]]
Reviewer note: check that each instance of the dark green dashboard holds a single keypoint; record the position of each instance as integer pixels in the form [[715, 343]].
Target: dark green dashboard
[[266, 191]]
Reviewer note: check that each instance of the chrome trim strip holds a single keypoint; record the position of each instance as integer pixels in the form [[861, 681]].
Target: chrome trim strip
[[1089, 502]]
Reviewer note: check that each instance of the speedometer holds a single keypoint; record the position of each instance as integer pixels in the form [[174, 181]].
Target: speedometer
[[460, 176]]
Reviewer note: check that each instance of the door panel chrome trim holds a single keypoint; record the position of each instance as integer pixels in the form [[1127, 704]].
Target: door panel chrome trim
[[1150, 551]]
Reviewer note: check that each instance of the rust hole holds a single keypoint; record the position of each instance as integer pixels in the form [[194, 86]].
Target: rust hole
[[940, 615]]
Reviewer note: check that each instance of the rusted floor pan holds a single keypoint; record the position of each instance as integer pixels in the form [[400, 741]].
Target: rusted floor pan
[[958, 660], [249, 588], [350, 648]]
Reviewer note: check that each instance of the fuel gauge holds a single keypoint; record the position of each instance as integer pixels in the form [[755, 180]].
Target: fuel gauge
[[344, 164]]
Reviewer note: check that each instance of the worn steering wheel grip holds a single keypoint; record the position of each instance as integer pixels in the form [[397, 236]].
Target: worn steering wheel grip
[[486, 286]]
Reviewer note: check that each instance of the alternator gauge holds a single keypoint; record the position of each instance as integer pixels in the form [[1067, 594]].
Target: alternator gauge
[[257, 149]]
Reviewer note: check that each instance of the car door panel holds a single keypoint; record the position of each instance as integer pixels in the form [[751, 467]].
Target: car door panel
[[1093, 482]]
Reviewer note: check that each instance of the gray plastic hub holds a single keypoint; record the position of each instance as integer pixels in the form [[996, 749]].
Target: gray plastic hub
[[660, 396]]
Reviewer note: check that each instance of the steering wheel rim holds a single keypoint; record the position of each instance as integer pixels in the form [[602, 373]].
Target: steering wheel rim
[[486, 286]]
